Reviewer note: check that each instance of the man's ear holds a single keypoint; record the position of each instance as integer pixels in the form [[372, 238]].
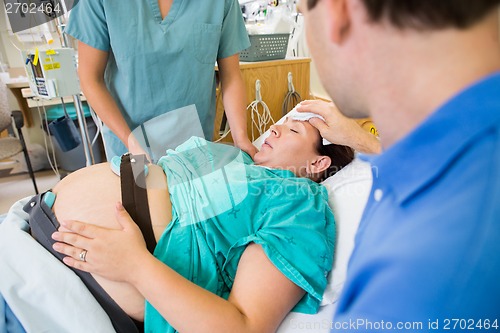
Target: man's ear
[[320, 164], [338, 19]]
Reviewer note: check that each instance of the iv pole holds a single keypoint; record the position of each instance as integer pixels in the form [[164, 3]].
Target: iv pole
[[89, 156]]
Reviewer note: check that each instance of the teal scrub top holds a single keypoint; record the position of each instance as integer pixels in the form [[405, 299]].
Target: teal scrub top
[[156, 65], [221, 202]]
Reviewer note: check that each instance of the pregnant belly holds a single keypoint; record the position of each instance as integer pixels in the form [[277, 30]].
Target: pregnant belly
[[90, 195]]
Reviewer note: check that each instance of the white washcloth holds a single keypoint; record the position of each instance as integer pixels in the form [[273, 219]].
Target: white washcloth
[[305, 116]]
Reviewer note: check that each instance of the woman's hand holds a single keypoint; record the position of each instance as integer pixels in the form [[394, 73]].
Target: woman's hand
[[111, 253]]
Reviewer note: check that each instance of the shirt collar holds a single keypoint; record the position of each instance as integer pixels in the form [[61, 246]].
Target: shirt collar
[[424, 155]]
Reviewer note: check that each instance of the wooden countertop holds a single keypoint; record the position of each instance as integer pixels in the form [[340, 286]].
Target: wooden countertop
[[269, 63]]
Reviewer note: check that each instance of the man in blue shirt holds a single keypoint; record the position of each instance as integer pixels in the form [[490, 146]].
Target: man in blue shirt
[[427, 254]]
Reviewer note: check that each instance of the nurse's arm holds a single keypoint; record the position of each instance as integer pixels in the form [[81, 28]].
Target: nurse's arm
[[91, 66], [233, 98]]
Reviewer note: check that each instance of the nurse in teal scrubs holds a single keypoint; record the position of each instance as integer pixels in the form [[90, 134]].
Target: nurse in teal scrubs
[[139, 59]]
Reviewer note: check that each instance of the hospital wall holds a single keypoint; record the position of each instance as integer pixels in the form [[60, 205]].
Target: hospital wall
[[11, 56]]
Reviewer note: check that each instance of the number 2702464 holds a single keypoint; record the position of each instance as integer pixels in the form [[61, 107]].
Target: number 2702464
[[32, 8], [470, 324]]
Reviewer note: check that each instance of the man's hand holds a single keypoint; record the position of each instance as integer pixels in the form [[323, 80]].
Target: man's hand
[[339, 129]]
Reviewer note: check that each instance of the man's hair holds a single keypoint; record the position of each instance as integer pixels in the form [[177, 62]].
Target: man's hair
[[427, 14], [340, 156]]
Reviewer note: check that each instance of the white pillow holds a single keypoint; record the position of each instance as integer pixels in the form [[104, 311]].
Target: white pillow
[[348, 192]]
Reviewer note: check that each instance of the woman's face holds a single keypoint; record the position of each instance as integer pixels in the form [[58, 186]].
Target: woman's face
[[290, 146]]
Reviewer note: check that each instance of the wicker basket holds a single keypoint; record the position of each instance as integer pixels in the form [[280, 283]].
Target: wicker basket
[[266, 47]]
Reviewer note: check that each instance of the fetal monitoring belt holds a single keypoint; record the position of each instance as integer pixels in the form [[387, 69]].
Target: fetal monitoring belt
[[43, 224], [135, 196]]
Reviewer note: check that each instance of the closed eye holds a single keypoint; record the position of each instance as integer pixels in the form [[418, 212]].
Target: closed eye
[[294, 131]]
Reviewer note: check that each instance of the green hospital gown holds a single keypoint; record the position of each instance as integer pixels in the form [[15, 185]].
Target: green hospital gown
[[221, 202]]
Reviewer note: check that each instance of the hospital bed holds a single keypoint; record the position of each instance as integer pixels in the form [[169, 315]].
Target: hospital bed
[[45, 294]]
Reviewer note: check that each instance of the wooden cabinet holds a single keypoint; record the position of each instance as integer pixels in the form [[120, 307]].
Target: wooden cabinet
[[273, 76]]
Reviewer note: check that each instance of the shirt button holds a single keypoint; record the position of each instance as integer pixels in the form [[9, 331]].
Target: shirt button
[[378, 194]]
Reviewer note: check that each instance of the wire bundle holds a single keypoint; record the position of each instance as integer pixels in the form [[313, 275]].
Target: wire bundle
[[292, 98], [260, 120]]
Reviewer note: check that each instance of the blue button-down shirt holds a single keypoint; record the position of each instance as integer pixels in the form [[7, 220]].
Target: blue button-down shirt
[[428, 247]]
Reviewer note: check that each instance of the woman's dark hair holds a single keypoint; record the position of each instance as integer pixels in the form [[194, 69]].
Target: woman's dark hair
[[340, 156], [427, 14]]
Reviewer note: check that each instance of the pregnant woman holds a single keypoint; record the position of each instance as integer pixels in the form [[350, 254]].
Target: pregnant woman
[[234, 235]]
